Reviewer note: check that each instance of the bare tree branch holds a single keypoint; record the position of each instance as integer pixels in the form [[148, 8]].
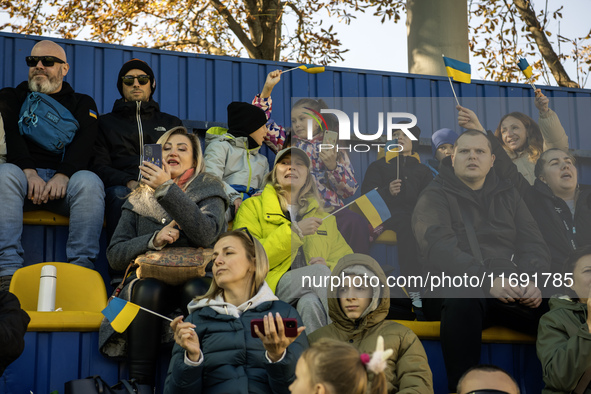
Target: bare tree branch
[[534, 28]]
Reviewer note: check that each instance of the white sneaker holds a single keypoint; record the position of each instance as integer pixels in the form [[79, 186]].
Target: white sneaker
[[415, 296]]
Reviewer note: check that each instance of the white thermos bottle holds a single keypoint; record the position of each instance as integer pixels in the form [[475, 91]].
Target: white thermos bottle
[[47, 286]]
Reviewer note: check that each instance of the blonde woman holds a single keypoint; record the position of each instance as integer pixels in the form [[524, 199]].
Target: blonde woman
[[301, 240], [216, 351], [177, 205]]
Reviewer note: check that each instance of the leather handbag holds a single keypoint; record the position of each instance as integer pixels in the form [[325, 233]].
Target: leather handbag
[[173, 265]]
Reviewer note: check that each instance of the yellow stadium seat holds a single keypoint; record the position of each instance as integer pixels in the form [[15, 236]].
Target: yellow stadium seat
[[45, 218], [80, 293], [496, 334]]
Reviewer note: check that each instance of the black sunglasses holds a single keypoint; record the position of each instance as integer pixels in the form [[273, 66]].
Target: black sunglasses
[[47, 61], [142, 79]]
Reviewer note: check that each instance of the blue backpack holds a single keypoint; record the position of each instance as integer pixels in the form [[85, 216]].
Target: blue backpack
[[47, 123]]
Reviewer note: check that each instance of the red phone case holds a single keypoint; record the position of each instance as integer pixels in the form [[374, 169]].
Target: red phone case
[[290, 324]]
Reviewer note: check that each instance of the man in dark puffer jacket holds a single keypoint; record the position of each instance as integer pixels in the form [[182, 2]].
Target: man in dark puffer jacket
[[134, 121], [468, 192]]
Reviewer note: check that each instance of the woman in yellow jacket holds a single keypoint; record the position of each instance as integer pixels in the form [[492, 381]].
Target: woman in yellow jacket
[[302, 248]]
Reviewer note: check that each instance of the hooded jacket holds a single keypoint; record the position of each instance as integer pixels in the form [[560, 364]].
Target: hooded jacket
[[122, 134], [415, 177], [408, 368], [508, 236], [562, 233], [198, 211], [27, 154], [263, 217], [229, 158], [564, 345], [234, 361]]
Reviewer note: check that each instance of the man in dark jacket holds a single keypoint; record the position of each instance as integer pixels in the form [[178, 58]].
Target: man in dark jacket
[[35, 177], [13, 326], [468, 221], [134, 121]]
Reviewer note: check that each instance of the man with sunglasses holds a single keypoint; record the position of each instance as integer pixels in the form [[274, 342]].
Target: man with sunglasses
[[36, 178], [135, 120]]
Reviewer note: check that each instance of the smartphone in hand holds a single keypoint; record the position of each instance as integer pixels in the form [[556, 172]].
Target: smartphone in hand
[[290, 325], [153, 154], [330, 137]]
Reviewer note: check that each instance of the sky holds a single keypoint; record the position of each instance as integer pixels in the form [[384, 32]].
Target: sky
[[383, 47], [575, 23]]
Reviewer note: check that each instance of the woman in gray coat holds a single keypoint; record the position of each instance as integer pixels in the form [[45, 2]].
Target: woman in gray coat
[[177, 205]]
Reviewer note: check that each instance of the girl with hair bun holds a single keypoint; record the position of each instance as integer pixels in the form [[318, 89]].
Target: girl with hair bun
[[333, 367], [331, 169]]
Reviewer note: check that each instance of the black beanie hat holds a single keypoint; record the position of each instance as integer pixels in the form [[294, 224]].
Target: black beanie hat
[[135, 64], [244, 119]]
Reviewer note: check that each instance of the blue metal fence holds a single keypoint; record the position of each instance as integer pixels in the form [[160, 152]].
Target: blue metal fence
[[197, 88]]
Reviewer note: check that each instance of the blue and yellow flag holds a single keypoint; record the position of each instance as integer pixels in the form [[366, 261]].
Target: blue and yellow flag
[[374, 208], [525, 68], [458, 70], [311, 69], [120, 313]]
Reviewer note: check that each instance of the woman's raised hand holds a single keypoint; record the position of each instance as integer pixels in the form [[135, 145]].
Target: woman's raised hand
[[541, 101], [154, 176], [274, 339], [272, 79], [186, 337], [169, 234], [468, 119]]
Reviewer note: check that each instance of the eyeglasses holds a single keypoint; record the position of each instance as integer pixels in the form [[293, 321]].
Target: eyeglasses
[[247, 233], [47, 61], [142, 79]]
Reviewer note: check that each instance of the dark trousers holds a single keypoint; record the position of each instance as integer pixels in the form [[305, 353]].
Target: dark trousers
[[354, 228], [115, 196], [408, 248], [462, 322], [144, 333]]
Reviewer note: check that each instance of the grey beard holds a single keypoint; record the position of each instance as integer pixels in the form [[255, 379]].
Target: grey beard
[[46, 86]]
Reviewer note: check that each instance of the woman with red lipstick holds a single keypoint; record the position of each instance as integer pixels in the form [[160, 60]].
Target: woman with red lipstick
[[177, 205], [300, 239], [524, 140]]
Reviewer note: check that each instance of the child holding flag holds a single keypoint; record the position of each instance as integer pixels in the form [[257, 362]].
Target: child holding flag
[[400, 178], [332, 171]]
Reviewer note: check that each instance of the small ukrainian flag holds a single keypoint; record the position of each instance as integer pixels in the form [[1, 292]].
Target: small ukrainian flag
[[92, 114], [373, 207], [525, 68], [311, 69], [458, 70], [120, 313]]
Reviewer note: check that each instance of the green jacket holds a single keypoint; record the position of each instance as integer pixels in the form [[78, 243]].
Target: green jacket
[[564, 345], [408, 368], [263, 217]]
